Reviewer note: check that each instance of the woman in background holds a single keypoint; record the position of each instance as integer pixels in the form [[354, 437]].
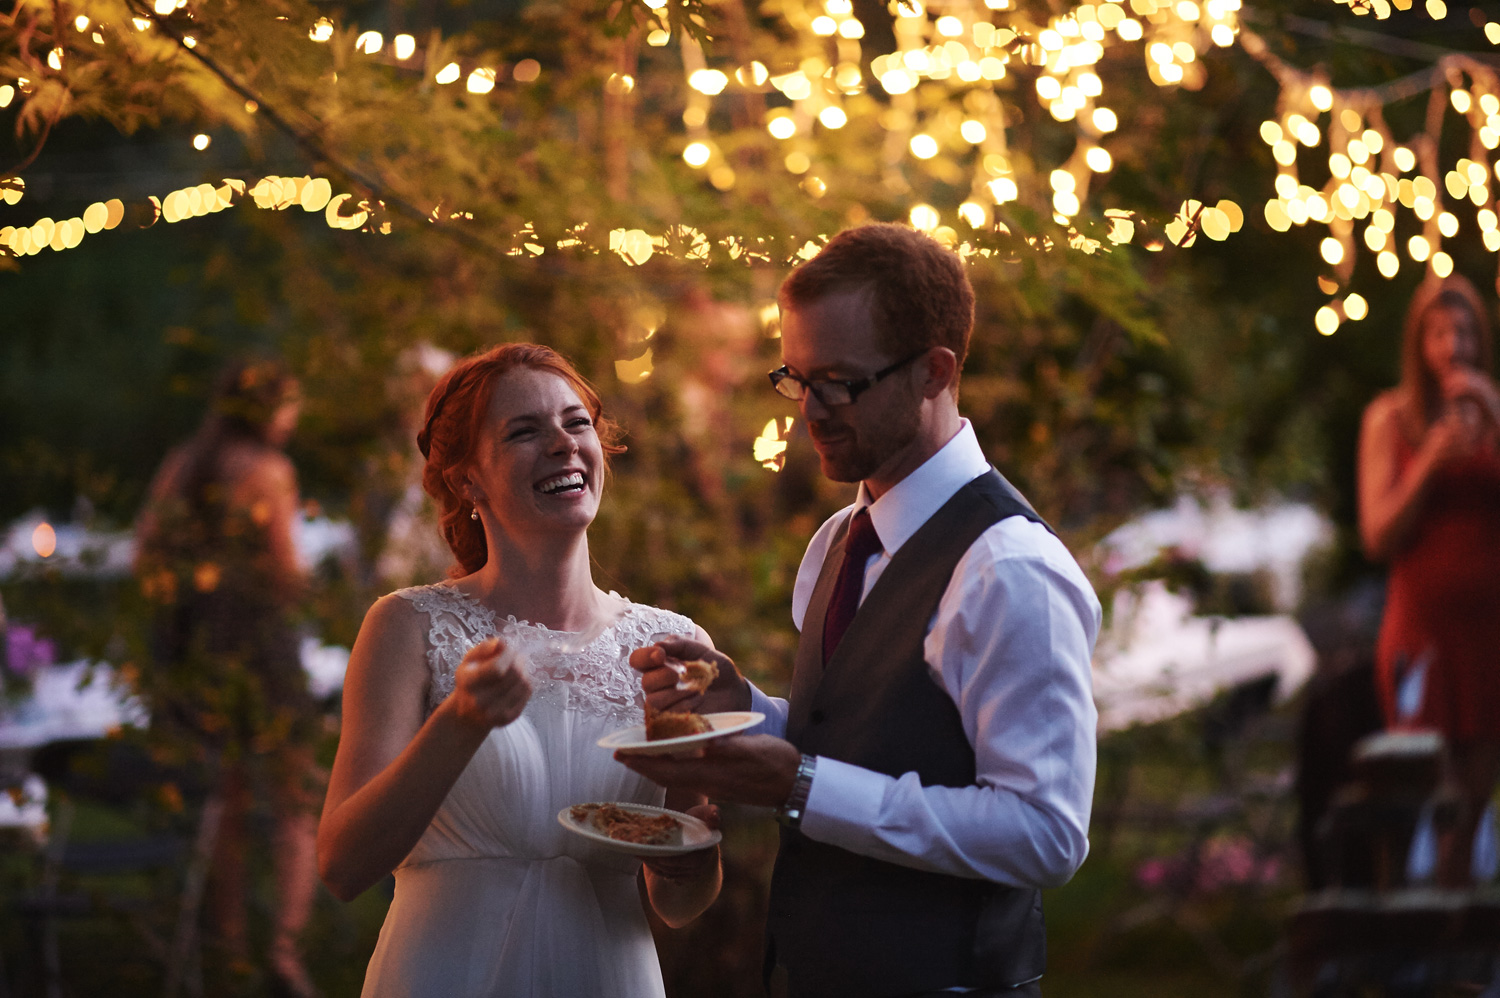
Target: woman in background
[[1429, 505], [215, 553]]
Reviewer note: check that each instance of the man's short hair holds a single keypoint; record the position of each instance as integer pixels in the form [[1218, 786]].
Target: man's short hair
[[920, 296]]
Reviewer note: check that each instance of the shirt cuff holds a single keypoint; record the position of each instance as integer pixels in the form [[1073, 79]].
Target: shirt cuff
[[844, 806], [775, 710]]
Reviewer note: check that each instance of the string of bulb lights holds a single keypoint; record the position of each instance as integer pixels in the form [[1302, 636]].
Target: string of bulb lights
[[1378, 190]]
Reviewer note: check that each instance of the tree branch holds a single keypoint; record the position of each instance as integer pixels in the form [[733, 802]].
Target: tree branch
[[310, 145]]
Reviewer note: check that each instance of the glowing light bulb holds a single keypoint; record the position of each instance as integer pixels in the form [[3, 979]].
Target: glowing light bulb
[[696, 154], [44, 539], [1099, 160], [481, 81], [1326, 321], [708, 81], [1004, 189], [403, 47], [924, 146]]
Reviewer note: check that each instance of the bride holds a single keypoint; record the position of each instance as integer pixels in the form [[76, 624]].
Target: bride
[[469, 723]]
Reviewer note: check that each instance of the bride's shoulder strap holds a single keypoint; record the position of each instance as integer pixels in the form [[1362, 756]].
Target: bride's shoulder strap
[[456, 622], [643, 621]]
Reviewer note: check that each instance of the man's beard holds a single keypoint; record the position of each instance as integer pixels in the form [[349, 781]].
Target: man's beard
[[872, 447]]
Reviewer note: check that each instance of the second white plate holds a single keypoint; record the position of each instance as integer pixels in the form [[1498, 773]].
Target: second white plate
[[633, 738], [695, 834]]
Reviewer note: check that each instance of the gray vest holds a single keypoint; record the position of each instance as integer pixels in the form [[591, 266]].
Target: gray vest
[[843, 924]]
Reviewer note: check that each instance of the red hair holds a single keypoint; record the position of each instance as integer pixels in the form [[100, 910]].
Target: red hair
[[454, 421], [920, 296]]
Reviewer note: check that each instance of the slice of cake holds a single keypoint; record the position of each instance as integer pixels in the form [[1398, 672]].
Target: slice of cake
[[662, 724], [697, 675], [630, 826]]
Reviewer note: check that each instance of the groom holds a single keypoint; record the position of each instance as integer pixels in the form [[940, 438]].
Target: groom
[[934, 765]]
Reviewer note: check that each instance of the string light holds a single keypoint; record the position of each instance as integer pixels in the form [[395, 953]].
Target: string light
[[44, 539], [1367, 170]]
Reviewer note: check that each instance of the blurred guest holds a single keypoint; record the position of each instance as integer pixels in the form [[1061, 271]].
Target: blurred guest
[[1429, 504], [216, 554]]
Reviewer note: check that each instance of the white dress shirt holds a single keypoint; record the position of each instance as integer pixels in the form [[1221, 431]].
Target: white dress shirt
[[1011, 643]]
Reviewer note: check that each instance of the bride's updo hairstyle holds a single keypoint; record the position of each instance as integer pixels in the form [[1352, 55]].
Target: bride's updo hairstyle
[[453, 426]]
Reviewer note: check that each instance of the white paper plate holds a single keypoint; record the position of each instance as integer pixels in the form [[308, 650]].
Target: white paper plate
[[695, 834], [633, 738]]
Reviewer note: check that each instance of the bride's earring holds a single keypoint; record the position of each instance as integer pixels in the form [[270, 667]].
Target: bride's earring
[[474, 513]]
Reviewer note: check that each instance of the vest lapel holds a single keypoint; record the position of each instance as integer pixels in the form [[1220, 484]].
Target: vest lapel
[[807, 672]]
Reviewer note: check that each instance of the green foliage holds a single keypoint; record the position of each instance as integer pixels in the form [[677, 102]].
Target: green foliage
[[1099, 382]]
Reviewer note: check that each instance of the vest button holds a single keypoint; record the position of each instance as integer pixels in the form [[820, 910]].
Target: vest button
[[816, 717]]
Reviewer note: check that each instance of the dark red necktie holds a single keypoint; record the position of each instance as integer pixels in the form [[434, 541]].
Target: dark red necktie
[[859, 545]]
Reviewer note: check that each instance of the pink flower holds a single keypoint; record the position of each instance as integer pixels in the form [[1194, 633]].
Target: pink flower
[[26, 652]]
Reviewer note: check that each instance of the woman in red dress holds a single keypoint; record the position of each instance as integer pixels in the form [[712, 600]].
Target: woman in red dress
[[1429, 504]]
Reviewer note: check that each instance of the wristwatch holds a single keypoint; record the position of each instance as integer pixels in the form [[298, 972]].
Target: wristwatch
[[790, 813]]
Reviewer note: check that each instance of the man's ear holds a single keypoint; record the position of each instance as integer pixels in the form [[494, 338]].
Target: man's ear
[[942, 372]]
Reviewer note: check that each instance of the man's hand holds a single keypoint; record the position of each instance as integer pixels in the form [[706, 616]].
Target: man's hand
[[688, 865], [729, 690], [748, 769]]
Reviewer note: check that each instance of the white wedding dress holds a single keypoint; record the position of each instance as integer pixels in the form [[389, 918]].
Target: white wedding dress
[[497, 899]]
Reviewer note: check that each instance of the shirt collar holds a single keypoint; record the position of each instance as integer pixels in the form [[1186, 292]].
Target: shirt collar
[[902, 510]]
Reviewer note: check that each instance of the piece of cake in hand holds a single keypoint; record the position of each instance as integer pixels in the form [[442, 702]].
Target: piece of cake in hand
[[662, 724], [697, 675]]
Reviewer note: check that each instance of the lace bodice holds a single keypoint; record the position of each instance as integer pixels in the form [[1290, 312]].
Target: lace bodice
[[597, 680]]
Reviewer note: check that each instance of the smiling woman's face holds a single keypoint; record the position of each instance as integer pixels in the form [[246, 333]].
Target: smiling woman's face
[[539, 466]]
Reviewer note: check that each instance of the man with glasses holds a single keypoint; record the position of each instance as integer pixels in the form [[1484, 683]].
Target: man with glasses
[[933, 767]]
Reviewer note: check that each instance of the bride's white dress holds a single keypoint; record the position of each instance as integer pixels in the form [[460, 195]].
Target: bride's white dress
[[497, 899]]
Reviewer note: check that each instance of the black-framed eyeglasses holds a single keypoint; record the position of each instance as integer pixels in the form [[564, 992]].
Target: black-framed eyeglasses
[[832, 391]]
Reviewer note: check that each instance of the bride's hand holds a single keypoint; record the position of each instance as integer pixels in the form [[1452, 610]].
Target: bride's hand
[[490, 688]]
